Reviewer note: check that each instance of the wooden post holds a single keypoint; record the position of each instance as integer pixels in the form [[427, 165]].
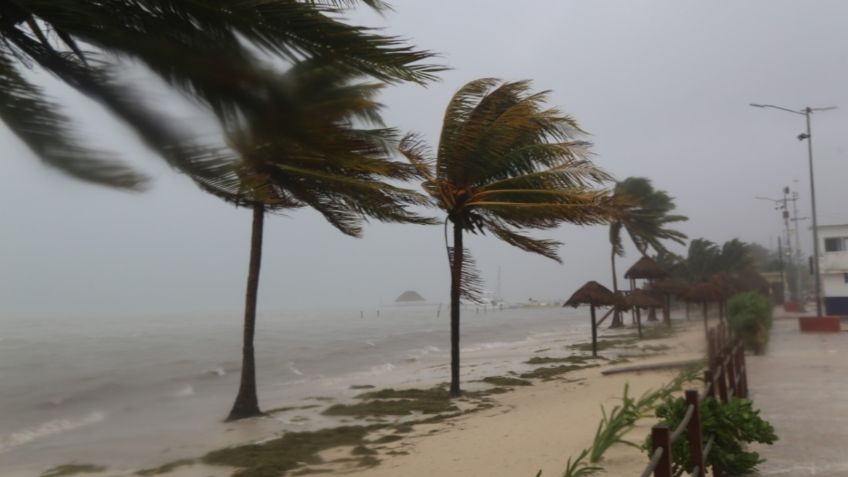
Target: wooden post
[[743, 381], [720, 374], [712, 350], [667, 310], [639, 322], [661, 437], [730, 357], [711, 385], [694, 433], [594, 332]]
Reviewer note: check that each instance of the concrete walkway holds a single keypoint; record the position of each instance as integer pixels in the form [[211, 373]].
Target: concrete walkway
[[801, 386]]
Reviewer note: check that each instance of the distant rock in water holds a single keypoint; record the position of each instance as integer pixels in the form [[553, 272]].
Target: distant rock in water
[[409, 296]]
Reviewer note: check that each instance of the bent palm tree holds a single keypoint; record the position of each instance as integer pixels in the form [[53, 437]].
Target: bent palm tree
[[335, 167], [214, 51], [504, 165], [644, 214]]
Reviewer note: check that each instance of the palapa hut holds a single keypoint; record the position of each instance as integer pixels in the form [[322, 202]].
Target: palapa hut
[[642, 299], [645, 269], [667, 288], [593, 294], [703, 292]]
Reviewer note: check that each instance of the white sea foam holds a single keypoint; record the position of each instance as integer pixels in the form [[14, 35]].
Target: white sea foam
[[293, 369], [49, 428], [185, 391], [383, 368]]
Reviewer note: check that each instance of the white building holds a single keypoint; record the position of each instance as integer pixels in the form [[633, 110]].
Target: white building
[[833, 266]]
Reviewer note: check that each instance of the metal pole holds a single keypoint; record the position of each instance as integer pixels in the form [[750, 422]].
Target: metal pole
[[797, 269], [782, 275], [807, 112]]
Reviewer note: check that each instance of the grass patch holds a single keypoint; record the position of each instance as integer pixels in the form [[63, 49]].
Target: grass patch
[[368, 461], [71, 469], [362, 386], [393, 407], [506, 381], [165, 468], [548, 373], [292, 450]]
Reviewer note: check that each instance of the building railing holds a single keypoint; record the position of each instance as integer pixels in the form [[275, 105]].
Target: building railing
[[725, 377]]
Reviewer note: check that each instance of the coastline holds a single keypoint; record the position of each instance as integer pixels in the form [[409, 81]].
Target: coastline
[[518, 432]]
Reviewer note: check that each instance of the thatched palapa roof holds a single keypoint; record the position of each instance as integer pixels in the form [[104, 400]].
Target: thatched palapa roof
[[645, 268], [669, 286], [642, 299], [702, 292], [409, 296], [593, 293]]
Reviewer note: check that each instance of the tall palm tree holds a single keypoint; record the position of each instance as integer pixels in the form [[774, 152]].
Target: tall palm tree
[[337, 167], [215, 51], [645, 215], [505, 164]]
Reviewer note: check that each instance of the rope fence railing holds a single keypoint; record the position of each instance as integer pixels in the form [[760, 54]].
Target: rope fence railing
[[725, 377]]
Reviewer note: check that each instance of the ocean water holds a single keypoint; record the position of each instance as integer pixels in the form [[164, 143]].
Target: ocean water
[[98, 388]]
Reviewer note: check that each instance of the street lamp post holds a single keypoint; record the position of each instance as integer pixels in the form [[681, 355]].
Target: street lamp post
[[806, 112]]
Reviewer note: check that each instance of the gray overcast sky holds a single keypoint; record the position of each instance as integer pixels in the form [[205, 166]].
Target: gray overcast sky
[[662, 86]]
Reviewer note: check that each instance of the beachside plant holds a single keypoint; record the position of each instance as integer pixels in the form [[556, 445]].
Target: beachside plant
[[216, 52], [734, 424], [505, 164], [750, 317], [340, 168], [645, 214]]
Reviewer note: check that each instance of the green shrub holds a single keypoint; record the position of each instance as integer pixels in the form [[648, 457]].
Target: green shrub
[[750, 316], [733, 423]]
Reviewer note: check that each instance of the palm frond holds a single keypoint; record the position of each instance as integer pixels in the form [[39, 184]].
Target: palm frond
[[471, 283], [39, 123]]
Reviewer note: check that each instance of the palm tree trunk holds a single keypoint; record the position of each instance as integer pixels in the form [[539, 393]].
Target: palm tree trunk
[[616, 314], [456, 285], [247, 404]]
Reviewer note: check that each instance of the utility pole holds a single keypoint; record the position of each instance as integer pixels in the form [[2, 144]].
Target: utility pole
[[782, 276], [798, 262], [808, 136]]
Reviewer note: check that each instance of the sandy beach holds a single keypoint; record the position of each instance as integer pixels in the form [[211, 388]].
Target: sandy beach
[[518, 430]]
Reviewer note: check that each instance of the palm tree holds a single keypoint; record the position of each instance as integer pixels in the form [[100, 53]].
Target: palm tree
[[337, 168], [505, 164], [214, 51], [645, 214]]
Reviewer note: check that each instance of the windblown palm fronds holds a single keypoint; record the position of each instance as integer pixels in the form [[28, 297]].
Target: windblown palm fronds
[[644, 214], [506, 164], [214, 51], [337, 164]]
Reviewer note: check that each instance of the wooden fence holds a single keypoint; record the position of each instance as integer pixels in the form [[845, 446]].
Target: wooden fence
[[725, 377]]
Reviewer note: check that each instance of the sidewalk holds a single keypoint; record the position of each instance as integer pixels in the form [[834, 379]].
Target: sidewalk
[[801, 386]]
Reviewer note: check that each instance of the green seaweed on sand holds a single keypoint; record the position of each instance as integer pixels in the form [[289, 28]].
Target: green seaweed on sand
[[391, 407], [71, 469], [294, 449], [278, 410], [434, 393], [506, 381], [573, 359], [165, 468], [362, 450], [548, 373], [605, 344]]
